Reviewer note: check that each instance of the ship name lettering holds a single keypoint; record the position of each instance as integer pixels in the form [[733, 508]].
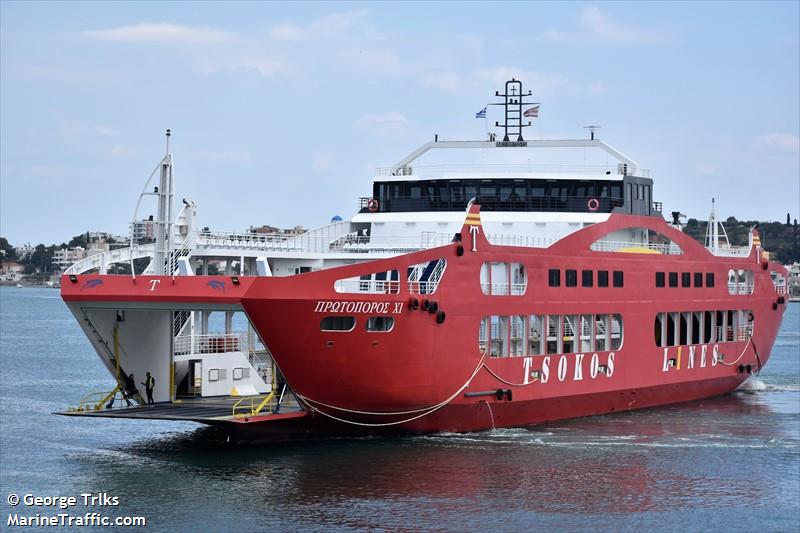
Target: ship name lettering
[[330, 306], [563, 367], [691, 357]]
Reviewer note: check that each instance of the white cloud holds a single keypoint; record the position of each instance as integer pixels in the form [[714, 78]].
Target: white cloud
[[445, 81], [597, 27], [329, 24], [783, 141], [105, 131], [160, 33], [383, 123]]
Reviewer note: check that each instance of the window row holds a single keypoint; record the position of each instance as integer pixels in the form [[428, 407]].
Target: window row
[[685, 278], [521, 335], [702, 327], [348, 323], [587, 278]]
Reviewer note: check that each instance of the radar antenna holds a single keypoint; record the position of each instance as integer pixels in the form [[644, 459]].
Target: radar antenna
[[513, 102]]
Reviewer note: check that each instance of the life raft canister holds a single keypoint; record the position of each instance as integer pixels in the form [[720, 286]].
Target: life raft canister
[[593, 204], [372, 205]]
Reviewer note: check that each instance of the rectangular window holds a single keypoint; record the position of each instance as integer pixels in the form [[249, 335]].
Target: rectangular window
[[698, 279], [380, 323], [602, 278], [572, 278], [709, 279], [673, 279], [535, 324], [618, 278], [337, 323], [660, 279], [554, 277], [587, 278], [686, 279]]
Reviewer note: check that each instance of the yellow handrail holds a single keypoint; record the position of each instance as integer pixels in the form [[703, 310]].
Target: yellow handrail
[[91, 398], [254, 409]]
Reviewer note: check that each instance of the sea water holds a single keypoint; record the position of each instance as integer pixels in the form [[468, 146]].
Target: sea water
[[723, 464]]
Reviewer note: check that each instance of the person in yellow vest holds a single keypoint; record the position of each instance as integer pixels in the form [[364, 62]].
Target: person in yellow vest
[[149, 384]]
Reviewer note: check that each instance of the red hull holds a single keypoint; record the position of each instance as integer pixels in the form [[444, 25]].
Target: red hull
[[426, 375]]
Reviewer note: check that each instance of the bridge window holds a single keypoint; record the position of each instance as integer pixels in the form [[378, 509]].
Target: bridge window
[[338, 323], [380, 323], [504, 279], [374, 283]]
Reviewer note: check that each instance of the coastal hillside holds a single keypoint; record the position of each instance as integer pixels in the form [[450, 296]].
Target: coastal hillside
[[782, 239]]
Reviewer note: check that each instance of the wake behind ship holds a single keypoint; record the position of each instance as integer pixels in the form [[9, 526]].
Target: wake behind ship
[[460, 297]]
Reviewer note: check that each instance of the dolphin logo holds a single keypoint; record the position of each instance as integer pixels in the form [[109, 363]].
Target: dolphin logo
[[217, 285], [92, 283]]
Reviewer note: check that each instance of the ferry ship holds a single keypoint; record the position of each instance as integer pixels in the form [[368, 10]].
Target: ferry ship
[[460, 297]]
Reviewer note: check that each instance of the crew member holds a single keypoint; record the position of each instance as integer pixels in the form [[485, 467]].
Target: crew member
[[149, 383]]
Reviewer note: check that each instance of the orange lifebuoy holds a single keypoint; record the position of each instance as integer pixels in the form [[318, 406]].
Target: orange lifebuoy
[[372, 205], [593, 204]]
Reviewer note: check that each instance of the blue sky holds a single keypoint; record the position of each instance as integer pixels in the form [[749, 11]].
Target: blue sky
[[280, 112]]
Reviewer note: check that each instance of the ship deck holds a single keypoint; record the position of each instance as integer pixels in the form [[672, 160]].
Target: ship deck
[[203, 410]]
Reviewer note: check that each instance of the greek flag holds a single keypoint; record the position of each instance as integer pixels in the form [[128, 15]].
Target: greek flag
[[481, 113]]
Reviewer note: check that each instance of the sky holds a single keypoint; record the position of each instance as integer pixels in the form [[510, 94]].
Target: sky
[[280, 112]]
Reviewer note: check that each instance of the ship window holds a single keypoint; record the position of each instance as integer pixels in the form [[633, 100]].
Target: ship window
[[658, 329], [601, 333], [616, 332], [673, 279], [602, 278], [424, 278], [553, 334], [696, 328], [504, 279], [740, 281], [380, 323], [572, 278], [708, 327], [709, 279], [568, 339], [686, 279], [338, 323], [618, 278], [684, 328], [535, 324], [498, 336], [516, 343], [587, 278], [698, 279], [660, 281], [386, 282], [554, 277], [586, 333], [671, 329]]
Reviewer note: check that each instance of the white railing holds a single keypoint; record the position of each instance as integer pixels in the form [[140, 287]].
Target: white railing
[[492, 169], [730, 251], [119, 255], [181, 251], [616, 246], [366, 286], [430, 285], [365, 244], [214, 343], [504, 289], [529, 241]]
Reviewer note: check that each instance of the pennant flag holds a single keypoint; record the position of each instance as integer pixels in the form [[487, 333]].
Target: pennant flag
[[481, 113], [532, 112]]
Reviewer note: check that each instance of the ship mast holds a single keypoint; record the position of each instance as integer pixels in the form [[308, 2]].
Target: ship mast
[[513, 100], [713, 231]]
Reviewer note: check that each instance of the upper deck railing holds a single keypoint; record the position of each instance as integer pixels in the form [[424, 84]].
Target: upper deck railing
[[487, 170]]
